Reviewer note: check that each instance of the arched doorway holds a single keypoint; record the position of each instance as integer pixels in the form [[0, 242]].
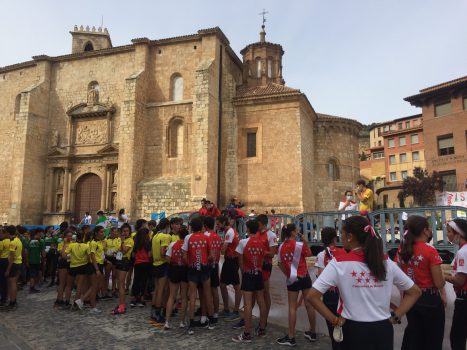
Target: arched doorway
[[88, 196]]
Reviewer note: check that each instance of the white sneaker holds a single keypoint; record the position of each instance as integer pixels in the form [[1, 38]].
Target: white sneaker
[[182, 324], [167, 325], [95, 311], [79, 303]]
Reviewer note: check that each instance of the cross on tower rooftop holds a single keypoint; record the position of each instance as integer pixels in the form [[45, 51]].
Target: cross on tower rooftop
[[262, 34]]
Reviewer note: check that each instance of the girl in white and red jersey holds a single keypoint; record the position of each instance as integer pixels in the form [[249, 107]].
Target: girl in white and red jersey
[[215, 255], [196, 248], [252, 252], [457, 233], [331, 297], [364, 277], [230, 267], [177, 278], [422, 263], [292, 262]]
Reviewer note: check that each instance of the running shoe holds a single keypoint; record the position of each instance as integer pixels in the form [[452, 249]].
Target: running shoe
[[239, 325], [190, 331], [311, 336], [242, 338], [118, 311], [211, 325], [79, 304], [182, 324], [286, 341], [234, 316], [260, 332], [95, 311], [225, 314], [141, 303], [167, 326], [132, 303]]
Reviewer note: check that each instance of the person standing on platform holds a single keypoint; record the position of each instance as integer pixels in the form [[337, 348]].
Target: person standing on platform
[[365, 197]]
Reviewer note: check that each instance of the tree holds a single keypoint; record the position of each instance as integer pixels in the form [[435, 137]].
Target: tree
[[421, 186]]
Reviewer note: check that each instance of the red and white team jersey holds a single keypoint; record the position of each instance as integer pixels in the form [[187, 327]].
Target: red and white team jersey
[[418, 268], [292, 255], [231, 237], [325, 256], [460, 266], [363, 298], [175, 252], [197, 247], [215, 245], [252, 251], [269, 240]]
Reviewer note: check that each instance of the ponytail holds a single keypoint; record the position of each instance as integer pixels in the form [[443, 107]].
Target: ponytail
[[370, 242], [415, 226]]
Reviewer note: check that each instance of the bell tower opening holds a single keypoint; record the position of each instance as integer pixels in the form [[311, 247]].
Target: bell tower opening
[[89, 39]]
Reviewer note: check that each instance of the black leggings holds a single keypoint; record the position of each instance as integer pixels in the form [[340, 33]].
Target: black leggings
[[331, 300], [3, 280], [425, 324], [459, 324], [378, 335], [142, 272]]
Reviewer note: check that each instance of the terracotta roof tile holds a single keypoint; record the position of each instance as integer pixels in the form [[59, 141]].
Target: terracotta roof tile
[[271, 89], [429, 91]]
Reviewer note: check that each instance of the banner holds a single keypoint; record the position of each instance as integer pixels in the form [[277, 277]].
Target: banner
[[454, 199]]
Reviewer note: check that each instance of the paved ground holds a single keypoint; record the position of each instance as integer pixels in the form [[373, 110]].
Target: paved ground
[[37, 325]]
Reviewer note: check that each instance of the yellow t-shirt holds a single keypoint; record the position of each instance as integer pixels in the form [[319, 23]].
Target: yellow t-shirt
[[4, 248], [133, 234], [174, 237], [17, 247], [366, 200], [129, 242], [112, 245], [98, 248], [79, 254], [158, 241]]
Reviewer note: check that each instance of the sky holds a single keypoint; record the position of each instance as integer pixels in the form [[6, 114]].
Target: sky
[[352, 58]]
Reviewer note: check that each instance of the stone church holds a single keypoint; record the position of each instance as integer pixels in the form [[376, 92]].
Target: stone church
[[157, 125]]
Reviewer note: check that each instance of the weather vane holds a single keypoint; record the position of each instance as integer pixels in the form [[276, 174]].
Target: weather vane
[[263, 13]]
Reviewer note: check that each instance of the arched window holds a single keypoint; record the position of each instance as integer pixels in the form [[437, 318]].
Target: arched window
[[258, 67], [175, 138], [269, 67], [17, 106], [333, 170], [88, 46], [176, 87]]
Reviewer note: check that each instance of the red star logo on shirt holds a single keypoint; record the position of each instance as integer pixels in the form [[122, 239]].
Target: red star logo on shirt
[[362, 274], [354, 274], [367, 280], [359, 280]]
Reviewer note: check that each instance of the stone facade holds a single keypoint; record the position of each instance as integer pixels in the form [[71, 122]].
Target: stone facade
[[159, 124]]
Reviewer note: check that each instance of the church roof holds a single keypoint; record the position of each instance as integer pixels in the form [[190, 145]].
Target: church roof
[[268, 90], [332, 118]]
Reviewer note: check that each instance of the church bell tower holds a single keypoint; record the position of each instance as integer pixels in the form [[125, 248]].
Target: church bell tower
[[262, 62], [90, 39]]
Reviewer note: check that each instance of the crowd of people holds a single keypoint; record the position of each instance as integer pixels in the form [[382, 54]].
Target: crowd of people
[[173, 267]]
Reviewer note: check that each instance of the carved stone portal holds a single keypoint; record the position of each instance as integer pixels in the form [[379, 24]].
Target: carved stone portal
[[91, 132]]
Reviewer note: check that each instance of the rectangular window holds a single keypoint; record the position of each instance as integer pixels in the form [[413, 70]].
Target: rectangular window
[[390, 143], [407, 124], [450, 181], [386, 128], [399, 125], [251, 144], [378, 155], [379, 131], [380, 143], [414, 139], [392, 159], [404, 174], [415, 155], [393, 176], [442, 109], [403, 157], [445, 145], [402, 141]]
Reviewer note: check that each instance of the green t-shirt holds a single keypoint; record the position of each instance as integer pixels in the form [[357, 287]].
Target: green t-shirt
[[48, 241], [34, 251]]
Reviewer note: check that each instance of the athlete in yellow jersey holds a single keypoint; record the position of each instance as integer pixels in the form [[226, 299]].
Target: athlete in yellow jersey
[[4, 254], [14, 264], [63, 267], [112, 245]]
